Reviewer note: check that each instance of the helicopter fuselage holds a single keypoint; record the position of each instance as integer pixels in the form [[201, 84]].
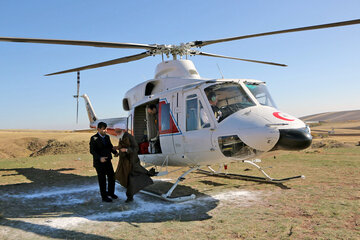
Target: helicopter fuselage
[[240, 124]]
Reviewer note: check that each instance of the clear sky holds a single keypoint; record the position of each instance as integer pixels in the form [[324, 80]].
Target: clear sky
[[323, 72]]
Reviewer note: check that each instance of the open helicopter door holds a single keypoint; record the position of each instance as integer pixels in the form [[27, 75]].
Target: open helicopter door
[[168, 126], [197, 125]]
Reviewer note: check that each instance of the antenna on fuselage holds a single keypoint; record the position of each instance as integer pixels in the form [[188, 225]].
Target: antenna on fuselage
[[220, 71], [77, 97]]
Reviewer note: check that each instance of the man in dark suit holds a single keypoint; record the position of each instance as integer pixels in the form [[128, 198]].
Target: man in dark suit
[[101, 149]]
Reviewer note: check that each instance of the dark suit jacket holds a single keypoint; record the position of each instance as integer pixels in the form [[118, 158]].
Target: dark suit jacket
[[99, 149]]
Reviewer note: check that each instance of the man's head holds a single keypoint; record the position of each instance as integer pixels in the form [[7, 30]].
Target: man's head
[[101, 128], [151, 109], [212, 98]]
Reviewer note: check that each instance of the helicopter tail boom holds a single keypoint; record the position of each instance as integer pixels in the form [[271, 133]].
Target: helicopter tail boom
[[111, 122], [89, 109]]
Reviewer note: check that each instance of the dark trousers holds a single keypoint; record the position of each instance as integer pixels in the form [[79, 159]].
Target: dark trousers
[[129, 194], [103, 171]]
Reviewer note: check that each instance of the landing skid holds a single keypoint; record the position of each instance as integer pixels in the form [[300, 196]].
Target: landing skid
[[167, 196], [266, 179]]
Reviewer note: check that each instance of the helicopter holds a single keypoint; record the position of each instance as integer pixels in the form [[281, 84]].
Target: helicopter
[[181, 119]]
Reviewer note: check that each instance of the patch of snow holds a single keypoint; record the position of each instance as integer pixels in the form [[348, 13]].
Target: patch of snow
[[143, 205], [150, 207], [57, 191], [234, 195]]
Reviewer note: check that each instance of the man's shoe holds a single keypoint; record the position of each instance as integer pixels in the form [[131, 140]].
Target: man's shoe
[[152, 172], [106, 199], [129, 199], [113, 196]]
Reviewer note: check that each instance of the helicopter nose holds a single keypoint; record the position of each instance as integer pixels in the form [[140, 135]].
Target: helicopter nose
[[251, 129], [293, 139]]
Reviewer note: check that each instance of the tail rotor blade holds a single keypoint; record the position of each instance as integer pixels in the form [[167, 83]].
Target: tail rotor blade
[[77, 97], [77, 110]]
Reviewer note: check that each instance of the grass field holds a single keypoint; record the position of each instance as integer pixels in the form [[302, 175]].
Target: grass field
[[56, 196]]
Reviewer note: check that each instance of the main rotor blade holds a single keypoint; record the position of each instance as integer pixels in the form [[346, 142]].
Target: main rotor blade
[[79, 43], [241, 59], [329, 25], [107, 63]]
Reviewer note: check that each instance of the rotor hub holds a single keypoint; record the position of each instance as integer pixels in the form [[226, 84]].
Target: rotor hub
[[175, 50]]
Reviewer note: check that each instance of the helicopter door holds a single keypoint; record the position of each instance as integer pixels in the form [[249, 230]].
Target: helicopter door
[[198, 124], [167, 126]]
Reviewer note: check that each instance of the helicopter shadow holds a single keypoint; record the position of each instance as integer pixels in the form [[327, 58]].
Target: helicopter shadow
[[245, 182], [53, 198]]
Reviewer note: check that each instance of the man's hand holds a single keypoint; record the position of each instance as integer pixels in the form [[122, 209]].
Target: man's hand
[[123, 149], [103, 159]]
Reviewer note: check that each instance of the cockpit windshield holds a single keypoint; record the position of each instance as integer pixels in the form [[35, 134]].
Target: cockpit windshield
[[260, 92], [226, 99]]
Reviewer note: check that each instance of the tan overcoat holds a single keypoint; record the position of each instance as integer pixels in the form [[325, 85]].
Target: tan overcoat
[[129, 172]]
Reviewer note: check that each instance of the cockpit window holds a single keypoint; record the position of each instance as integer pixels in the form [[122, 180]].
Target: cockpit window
[[226, 99], [260, 92]]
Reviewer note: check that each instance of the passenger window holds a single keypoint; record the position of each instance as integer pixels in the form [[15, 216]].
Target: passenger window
[[165, 117], [196, 116], [191, 114]]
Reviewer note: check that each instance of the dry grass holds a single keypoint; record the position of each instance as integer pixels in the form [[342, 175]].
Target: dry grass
[[17, 143], [341, 116], [349, 130]]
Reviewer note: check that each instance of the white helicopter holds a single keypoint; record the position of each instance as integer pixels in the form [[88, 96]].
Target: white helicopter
[[199, 122]]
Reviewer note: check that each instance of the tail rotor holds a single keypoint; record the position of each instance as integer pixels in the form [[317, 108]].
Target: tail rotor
[[77, 97]]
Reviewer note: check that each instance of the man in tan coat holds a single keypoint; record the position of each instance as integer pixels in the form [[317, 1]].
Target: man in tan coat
[[129, 172]]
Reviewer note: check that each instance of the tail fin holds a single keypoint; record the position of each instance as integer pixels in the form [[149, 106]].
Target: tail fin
[[89, 109]]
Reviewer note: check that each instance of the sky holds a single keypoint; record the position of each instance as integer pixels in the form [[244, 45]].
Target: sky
[[323, 72]]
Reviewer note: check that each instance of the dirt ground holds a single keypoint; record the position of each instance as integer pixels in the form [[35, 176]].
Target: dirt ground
[[55, 195]]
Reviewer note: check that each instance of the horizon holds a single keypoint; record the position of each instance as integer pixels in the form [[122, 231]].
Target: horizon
[[94, 129], [322, 74]]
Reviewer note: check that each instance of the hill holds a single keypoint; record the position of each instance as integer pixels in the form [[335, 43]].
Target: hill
[[342, 116], [25, 143]]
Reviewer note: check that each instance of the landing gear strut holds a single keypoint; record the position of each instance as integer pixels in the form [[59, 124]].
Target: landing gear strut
[[266, 179], [167, 196]]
